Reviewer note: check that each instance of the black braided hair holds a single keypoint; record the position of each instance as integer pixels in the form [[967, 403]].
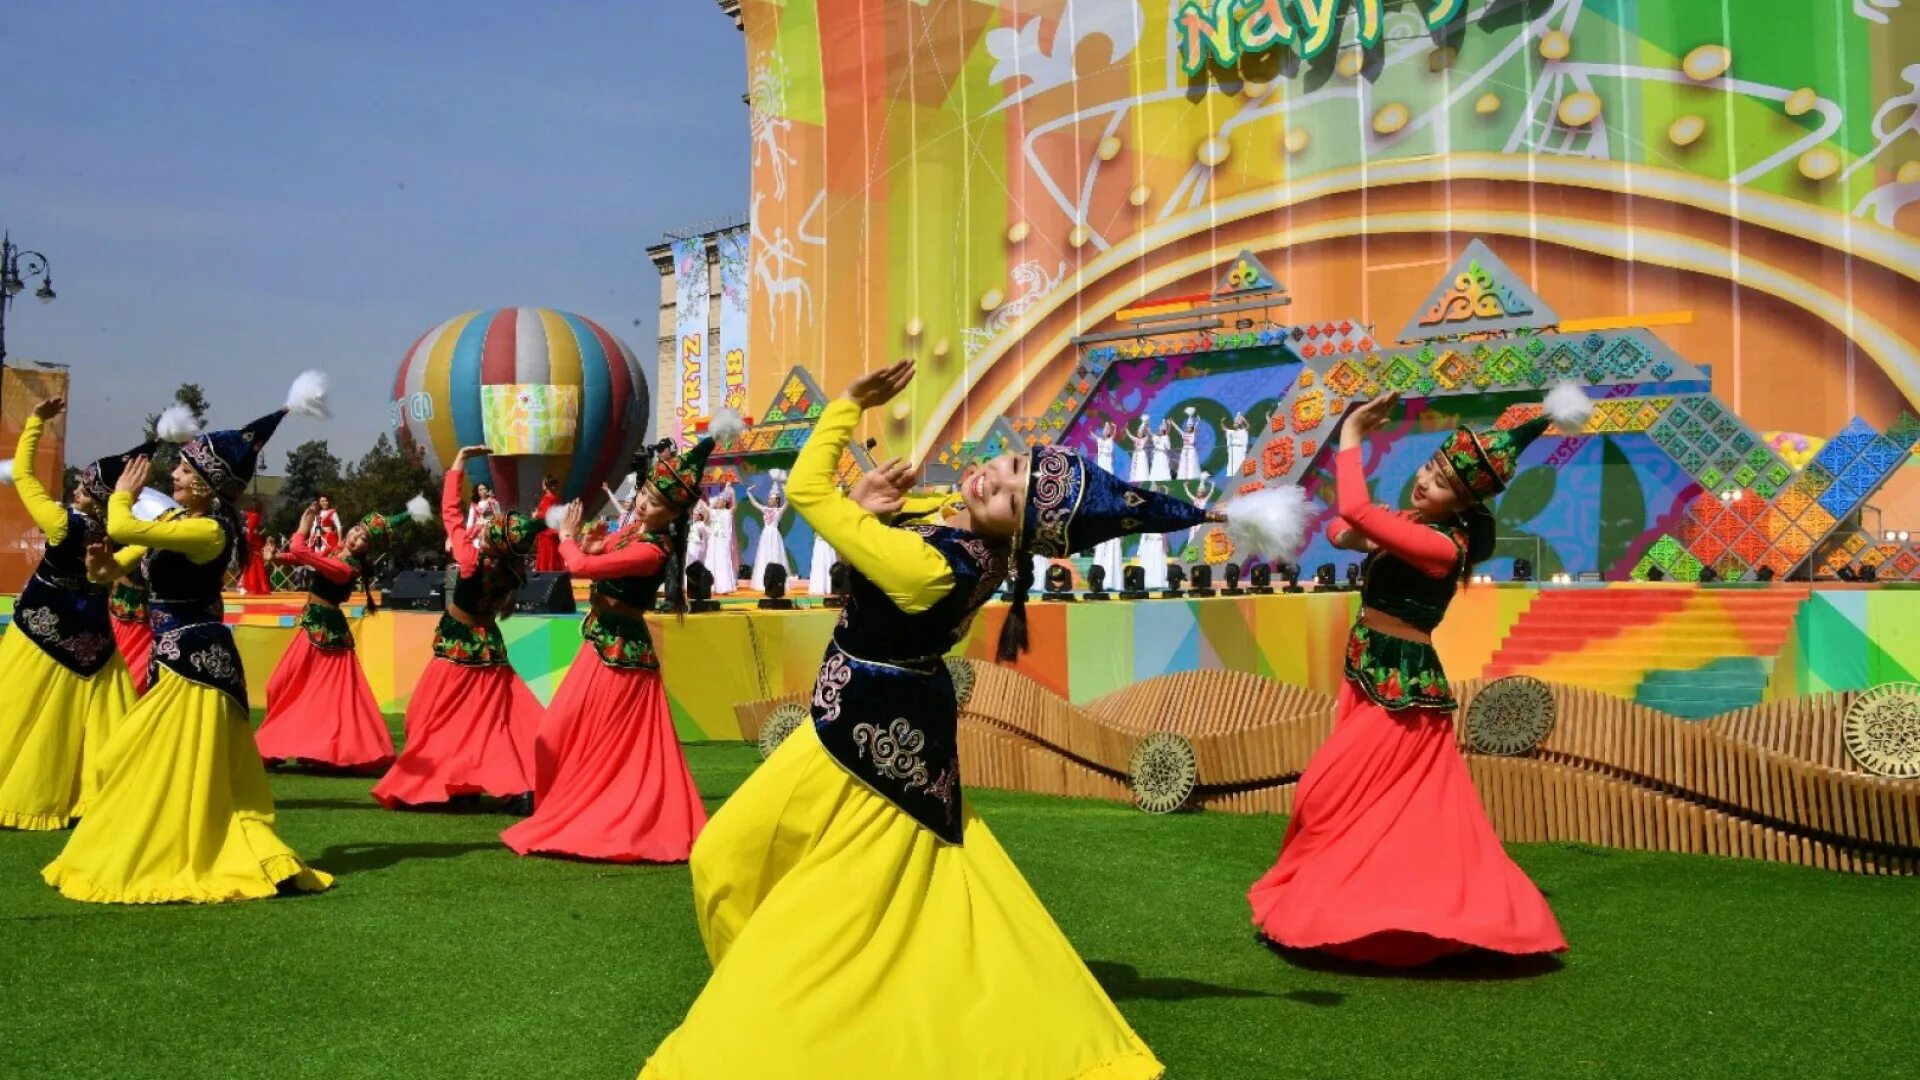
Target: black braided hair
[[1013, 632], [677, 565]]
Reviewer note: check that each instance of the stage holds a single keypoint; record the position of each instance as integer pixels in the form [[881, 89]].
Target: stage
[[1687, 650]]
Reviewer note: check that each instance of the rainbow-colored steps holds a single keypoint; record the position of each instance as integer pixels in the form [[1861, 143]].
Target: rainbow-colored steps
[[1688, 652]]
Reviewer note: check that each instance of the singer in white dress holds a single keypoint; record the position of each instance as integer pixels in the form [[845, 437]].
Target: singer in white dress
[[723, 553], [1196, 539], [1103, 446], [772, 549], [820, 570], [1137, 462], [1235, 435], [1189, 467], [1159, 468], [699, 525]]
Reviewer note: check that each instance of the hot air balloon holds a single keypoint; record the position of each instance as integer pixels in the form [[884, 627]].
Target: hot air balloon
[[553, 394]]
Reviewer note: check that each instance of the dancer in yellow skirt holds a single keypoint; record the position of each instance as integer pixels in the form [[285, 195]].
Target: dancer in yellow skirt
[[184, 812], [66, 685], [854, 907]]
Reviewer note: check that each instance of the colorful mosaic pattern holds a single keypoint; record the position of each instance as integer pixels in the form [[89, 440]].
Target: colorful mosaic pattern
[[1479, 295]]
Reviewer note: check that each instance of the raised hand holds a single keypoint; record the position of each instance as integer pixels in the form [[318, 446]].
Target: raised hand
[[884, 490], [876, 388], [570, 520], [50, 408], [134, 477], [1368, 419]]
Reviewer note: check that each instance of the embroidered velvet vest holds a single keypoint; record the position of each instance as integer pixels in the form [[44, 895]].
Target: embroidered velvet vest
[[189, 638], [127, 601], [883, 702], [1396, 673], [619, 639], [63, 612], [481, 595]]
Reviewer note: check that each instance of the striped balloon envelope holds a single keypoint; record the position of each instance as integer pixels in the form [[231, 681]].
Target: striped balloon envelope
[[552, 393]]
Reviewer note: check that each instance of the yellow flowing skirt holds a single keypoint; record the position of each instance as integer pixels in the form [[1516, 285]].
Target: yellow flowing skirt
[[184, 812], [53, 726], [849, 942]]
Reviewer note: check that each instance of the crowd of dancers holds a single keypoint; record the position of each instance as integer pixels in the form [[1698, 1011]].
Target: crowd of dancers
[[847, 893]]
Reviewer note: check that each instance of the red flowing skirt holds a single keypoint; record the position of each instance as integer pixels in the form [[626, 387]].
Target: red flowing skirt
[[321, 710], [1389, 857], [134, 638], [254, 578], [546, 553], [610, 782], [470, 731]]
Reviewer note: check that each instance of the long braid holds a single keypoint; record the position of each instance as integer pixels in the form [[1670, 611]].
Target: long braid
[[1013, 632], [677, 567]]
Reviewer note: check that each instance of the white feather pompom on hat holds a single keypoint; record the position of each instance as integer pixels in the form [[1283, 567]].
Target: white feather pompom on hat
[[308, 395], [726, 426], [176, 424], [419, 509], [6, 473], [1568, 406], [1271, 522]]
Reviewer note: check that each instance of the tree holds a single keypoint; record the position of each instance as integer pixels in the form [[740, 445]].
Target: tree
[[168, 455], [312, 471], [382, 482]]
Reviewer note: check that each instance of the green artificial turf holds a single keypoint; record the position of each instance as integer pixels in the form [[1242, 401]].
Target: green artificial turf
[[441, 954]]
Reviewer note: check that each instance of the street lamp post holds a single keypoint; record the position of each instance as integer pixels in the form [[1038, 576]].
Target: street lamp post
[[16, 265]]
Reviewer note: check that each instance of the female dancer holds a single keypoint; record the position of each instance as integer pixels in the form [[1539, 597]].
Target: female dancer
[[610, 782], [1189, 447], [1137, 461], [1195, 548], [320, 709], [184, 811], [1236, 439], [484, 511], [1157, 469], [546, 546], [698, 529], [66, 685], [820, 570], [772, 548], [323, 534], [723, 551], [1389, 857], [847, 893], [253, 579], [471, 722], [1103, 446]]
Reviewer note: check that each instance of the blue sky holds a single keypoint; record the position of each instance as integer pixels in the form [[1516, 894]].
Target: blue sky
[[232, 192]]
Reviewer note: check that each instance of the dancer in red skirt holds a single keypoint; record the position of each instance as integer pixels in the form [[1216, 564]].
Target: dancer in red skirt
[[253, 579], [471, 723], [320, 709], [1389, 857], [127, 615], [610, 781], [546, 546]]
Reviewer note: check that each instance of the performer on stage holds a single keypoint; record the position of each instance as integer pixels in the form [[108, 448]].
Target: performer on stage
[[1103, 446], [1235, 435], [723, 551], [772, 548], [1139, 438], [820, 570], [848, 896], [1389, 857], [471, 722], [546, 546], [320, 708], [1152, 554], [1189, 447], [323, 536], [184, 812], [699, 528], [484, 511], [610, 781], [253, 578], [66, 686], [1157, 468]]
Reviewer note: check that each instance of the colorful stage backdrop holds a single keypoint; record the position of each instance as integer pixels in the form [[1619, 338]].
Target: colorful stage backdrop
[[975, 182]]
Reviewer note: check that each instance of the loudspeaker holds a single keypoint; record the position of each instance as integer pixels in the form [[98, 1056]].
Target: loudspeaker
[[545, 594], [416, 590]]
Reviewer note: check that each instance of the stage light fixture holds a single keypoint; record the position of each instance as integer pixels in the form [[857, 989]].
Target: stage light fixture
[[1323, 577], [1202, 580], [1523, 570], [1097, 583], [1869, 575], [1176, 577], [700, 599], [1059, 584], [1133, 583], [1708, 575], [1654, 573], [1231, 574], [1765, 573], [1290, 573], [774, 585], [837, 585], [1353, 575], [1847, 574], [1260, 579], [1898, 536]]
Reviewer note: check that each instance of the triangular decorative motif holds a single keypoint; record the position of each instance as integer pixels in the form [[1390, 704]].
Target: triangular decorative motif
[[1479, 294], [1245, 274], [799, 398]]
